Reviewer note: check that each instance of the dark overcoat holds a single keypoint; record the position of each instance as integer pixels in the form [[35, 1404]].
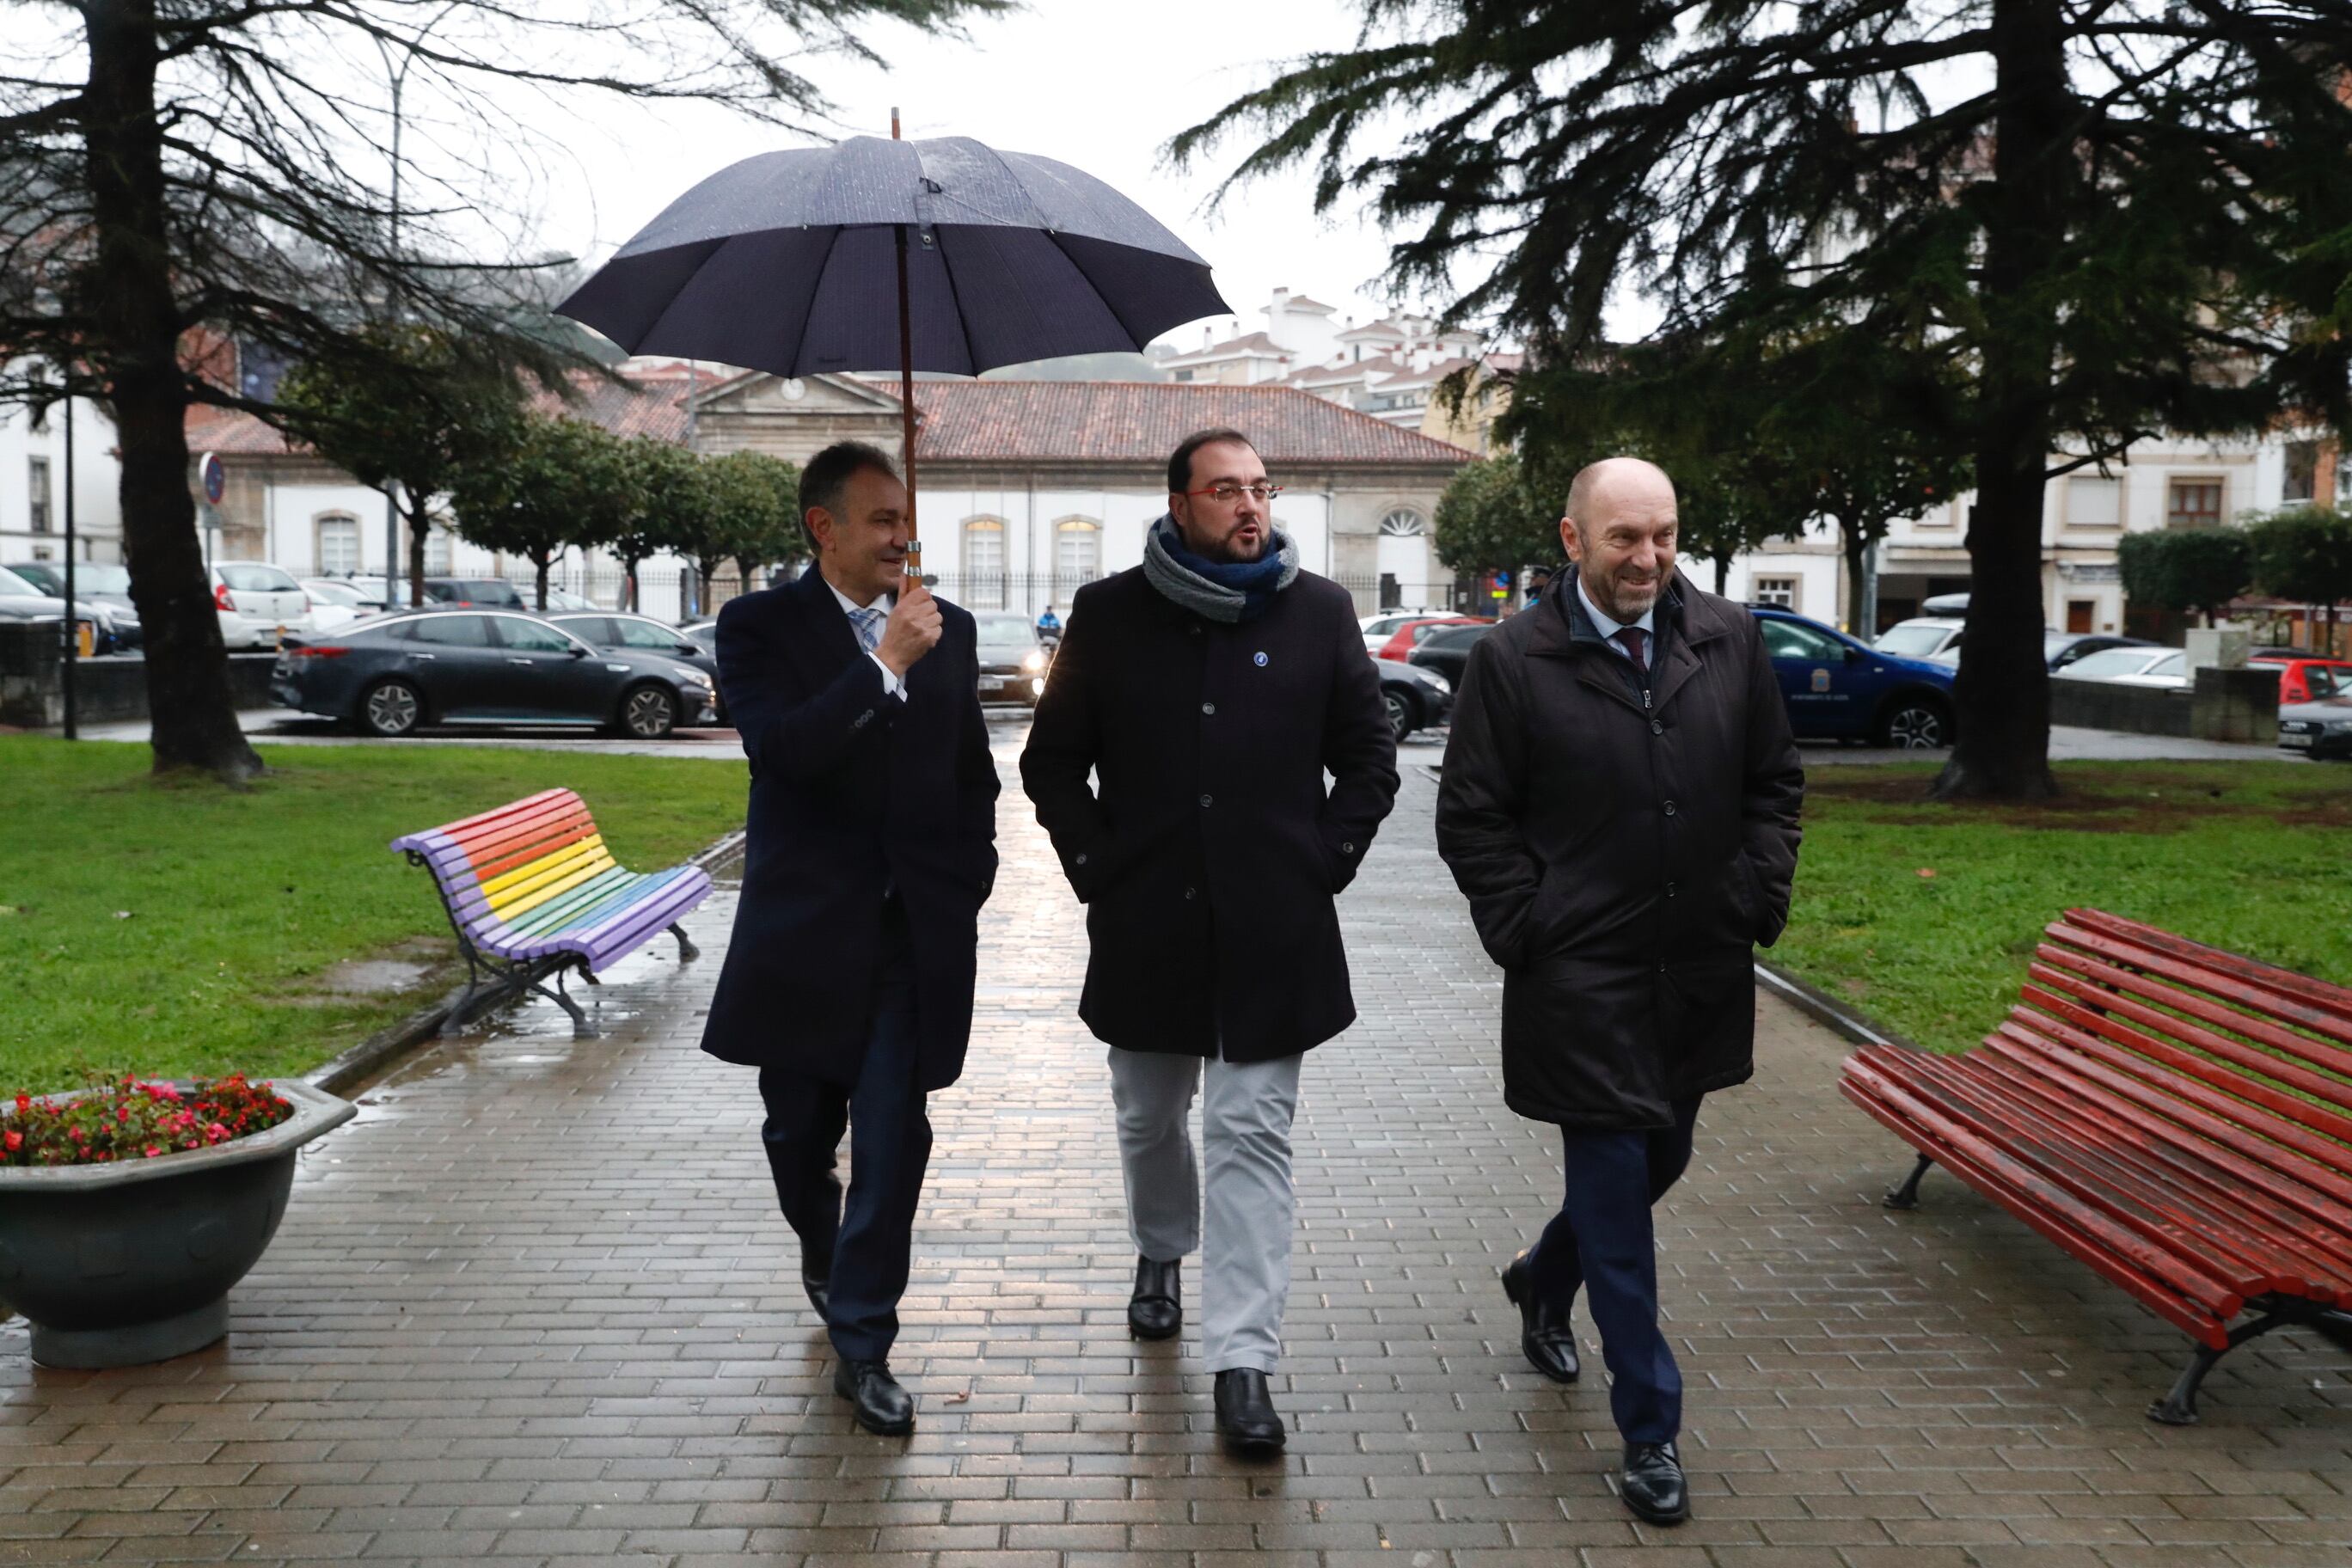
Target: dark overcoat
[[1210, 854], [853, 791], [1623, 840]]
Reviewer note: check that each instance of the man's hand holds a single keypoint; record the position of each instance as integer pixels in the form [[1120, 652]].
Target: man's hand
[[912, 630]]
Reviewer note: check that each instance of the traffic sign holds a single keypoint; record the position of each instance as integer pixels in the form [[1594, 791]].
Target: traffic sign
[[214, 476]]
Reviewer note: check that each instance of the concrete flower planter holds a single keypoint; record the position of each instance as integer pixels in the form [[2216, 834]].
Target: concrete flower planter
[[117, 1265]]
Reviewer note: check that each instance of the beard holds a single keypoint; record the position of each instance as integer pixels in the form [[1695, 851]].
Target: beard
[[1230, 550], [1626, 604]]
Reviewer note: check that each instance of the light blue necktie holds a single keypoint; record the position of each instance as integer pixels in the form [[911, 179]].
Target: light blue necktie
[[867, 624]]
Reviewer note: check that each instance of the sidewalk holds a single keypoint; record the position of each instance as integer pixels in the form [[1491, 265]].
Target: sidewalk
[[536, 1306]]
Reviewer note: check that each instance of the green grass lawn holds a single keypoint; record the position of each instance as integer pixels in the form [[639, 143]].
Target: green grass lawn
[[2255, 856], [184, 928]]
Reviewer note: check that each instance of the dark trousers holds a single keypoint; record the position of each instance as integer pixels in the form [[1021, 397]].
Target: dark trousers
[[1602, 1241], [862, 1246]]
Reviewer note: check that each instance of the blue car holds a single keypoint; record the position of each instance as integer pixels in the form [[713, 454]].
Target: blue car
[[1840, 689]]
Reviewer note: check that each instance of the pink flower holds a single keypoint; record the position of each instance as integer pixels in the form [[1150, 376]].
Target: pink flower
[[122, 1113], [15, 1140], [153, 1151], [24, 1103], [216, 1133]]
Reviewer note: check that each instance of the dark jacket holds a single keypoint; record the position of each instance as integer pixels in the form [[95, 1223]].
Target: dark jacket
[[1211, 855], [852, 792], [1621, 857]]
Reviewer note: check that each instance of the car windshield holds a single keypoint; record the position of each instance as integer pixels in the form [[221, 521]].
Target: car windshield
[[1913, 639], [1006, 631], [13, 584], [2324, 681], [333, 593], [2110, 662]]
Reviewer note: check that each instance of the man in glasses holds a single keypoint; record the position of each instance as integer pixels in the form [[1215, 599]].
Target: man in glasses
[[1208, 691]]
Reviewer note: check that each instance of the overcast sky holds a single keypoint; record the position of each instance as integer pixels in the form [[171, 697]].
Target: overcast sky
[[1098, 85]]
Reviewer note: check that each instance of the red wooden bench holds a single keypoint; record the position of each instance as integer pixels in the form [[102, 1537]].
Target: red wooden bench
[[2177, 1117]]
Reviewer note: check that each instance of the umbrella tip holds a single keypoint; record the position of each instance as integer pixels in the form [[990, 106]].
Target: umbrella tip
[[894, 122]]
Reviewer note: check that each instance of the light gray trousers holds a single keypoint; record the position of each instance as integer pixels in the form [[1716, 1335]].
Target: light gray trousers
[[1245, 1125]]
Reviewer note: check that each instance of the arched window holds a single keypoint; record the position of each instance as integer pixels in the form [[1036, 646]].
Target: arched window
[[1078, 552], [337, 553], [983, 562], [1403, 523]]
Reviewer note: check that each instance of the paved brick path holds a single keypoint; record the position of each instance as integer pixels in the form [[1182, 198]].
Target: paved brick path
[[536, 1305]]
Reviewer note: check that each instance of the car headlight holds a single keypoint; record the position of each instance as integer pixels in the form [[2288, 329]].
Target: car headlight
[[1442, 684], [2339, 726], [1033, 660]]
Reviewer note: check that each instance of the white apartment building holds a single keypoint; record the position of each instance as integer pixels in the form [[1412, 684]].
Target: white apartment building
[[33, 484]]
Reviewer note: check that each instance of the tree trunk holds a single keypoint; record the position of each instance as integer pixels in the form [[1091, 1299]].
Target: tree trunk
[[2003, 746], [1723, 577], [1853, 546], [539, 563], [135, 347]]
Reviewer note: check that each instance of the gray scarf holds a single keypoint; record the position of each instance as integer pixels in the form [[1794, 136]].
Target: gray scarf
[[1217, 590]]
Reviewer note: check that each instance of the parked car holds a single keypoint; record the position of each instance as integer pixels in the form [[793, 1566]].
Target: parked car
[[473, 592], [1012, 662], [2064, 648], [704, 631], [1416, 697], [2305, 678], [1839, 687], [1416, 631], [110, 631], [393, 675], [560, 601], [617, 632], [1938, 638], [335, 603], [1446, 649], [2321, 729], [259, 603], [1378, 629], [2148, 664], [100, 580]]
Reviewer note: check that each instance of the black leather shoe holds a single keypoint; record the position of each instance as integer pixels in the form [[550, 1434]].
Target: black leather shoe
[[1156, 1311], [1545, 1337], [1246, 1416], [818, 1286], [876, 1398], [1654, 1484]]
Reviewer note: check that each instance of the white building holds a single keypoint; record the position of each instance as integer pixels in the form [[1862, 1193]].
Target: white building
[[33, 484]]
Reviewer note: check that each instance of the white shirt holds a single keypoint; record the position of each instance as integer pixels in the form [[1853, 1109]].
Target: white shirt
[[1609, 628], [892, 683]]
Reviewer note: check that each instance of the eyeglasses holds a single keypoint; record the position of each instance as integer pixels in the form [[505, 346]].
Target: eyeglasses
[[1226, 495]]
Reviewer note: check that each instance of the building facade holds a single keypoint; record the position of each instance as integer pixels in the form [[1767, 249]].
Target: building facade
[[33, 484]]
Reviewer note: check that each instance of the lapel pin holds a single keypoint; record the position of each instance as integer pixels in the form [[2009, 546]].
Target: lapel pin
[[1261, 660]]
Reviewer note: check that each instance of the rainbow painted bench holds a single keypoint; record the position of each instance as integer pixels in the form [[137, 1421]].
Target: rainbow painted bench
[[533, 882]]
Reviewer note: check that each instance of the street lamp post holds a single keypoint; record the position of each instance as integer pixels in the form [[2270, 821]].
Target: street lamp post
[[399, 78], [73, 642]]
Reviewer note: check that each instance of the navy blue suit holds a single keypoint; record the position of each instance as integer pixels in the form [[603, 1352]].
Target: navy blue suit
[[849, 982]]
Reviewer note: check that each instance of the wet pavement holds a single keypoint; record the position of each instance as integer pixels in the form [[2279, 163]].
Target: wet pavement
[[536, 1306]]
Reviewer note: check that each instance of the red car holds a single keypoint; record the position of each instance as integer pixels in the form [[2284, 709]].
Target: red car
[[1409, 635], [2304, 679]]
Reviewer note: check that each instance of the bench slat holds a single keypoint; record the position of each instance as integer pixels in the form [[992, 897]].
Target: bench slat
[[2154, 1238], [1980, 1165], [2285, 983], [2308, 1053]]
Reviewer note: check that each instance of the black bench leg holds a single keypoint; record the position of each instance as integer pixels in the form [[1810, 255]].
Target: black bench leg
[[582, 1030], [687, 951], [2178, 1408], [453, 1023], [1906, 1196]]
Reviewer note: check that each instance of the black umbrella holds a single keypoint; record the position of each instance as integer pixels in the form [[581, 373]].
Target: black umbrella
[[939, 256]]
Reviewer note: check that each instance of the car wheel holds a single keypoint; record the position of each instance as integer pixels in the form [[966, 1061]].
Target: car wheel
[[1404, 713], [648, 712], [391, 709], [1916, 725]]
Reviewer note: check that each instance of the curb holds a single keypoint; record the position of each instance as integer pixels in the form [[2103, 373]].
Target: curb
[[1821, 1007], [381, 1050]]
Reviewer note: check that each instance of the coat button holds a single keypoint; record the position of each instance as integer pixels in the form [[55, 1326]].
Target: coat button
[[1670, 890], [1188, 892], [1347, 849], [1079, 861], [1209, 707], [1670, 809], [1657, 727], [1208, 800]]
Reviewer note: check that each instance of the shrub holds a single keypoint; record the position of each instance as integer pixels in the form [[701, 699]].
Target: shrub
[[126, 1118]]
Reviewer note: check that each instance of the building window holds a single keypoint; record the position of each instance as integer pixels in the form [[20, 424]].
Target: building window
[[984, 563], [2093, 503], [1777, 591], [2195, 503], [37, 488], [436, 552], [1183, 375], [339, 544], [1403, 523], [2302, 472], [1077, 552]]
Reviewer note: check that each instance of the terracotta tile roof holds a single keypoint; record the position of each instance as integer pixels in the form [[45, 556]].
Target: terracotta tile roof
[[1140, 422], [1254, 343]]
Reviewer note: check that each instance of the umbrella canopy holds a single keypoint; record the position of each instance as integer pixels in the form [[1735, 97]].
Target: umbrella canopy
[[787, 262]]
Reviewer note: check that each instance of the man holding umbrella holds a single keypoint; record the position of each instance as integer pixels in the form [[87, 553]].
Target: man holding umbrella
[[1209, 690], [870, 848]]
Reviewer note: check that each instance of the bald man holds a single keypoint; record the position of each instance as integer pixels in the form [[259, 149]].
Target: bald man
[[1620, 807]]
